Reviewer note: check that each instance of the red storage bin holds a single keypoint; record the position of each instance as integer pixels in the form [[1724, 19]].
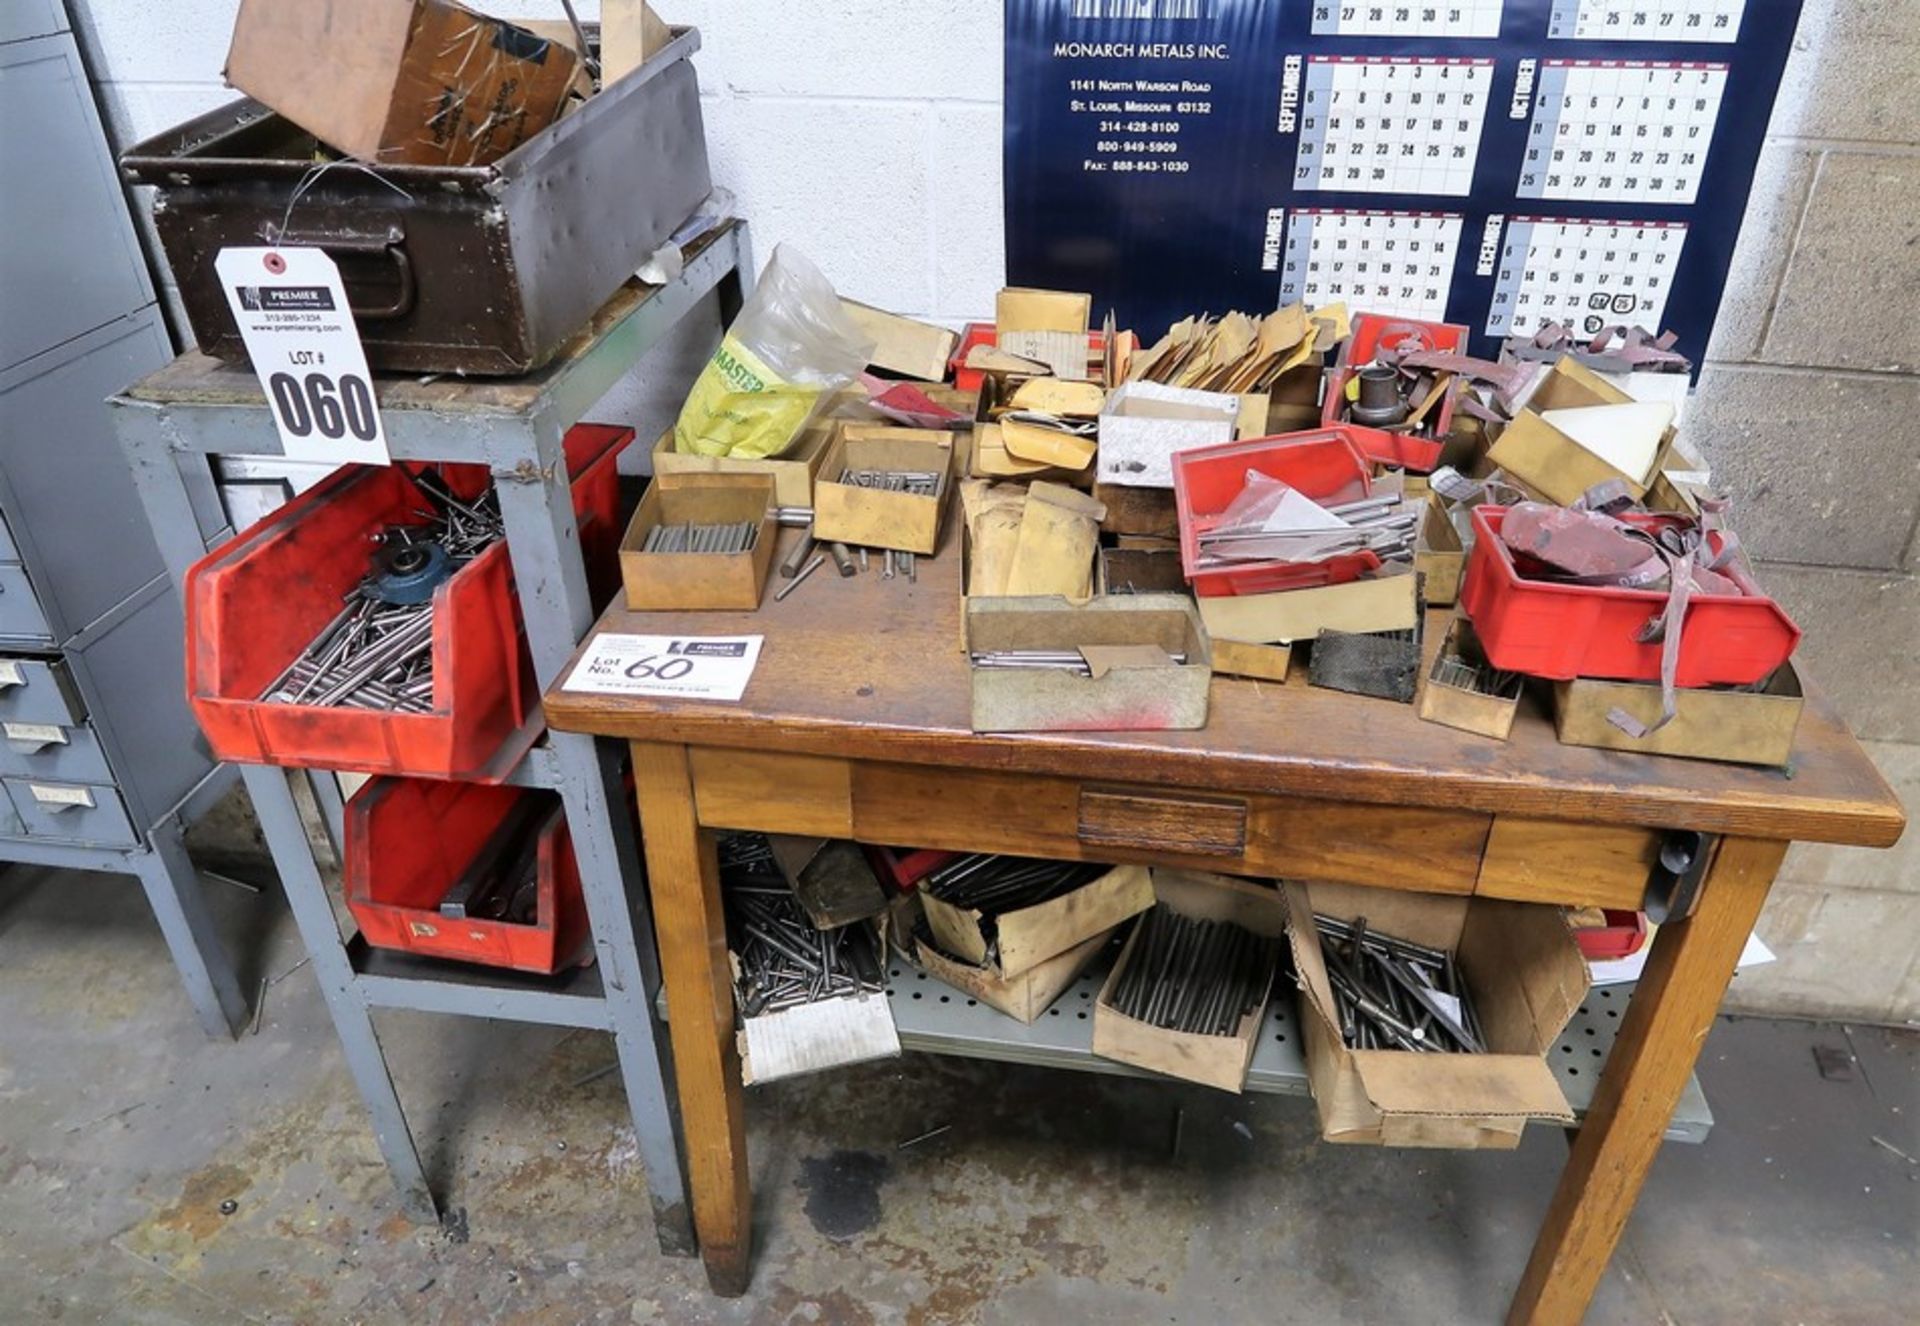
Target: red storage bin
[[1323, 464], [1547, 629], [255, 603], [1620, 937], [983, 333], [1369, 329], [408, 839]]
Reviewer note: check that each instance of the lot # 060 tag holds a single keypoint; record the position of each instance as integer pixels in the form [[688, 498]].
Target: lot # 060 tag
[[292, 312]]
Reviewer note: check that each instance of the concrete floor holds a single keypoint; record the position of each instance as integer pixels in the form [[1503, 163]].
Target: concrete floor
[[1053, 1197]]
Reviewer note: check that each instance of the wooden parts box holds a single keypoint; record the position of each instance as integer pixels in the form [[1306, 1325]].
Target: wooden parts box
[[1214, 1061], [1526, 978], [1537, 453], [1024, 997], [1484, 713], [1739, 726], [1129, 642], [658, 582], [1028, 936], [793, 474], [873, 517]]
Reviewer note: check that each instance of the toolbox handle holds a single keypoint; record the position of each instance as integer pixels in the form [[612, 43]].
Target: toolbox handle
[[391, 245]]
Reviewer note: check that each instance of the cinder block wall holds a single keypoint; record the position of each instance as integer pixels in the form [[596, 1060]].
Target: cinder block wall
[[867, 132]]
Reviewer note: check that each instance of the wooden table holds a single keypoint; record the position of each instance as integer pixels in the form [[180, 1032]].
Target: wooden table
[[855, 726]]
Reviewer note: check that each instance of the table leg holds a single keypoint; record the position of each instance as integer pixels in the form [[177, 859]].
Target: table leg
[[1665, 1024], [683, 874]]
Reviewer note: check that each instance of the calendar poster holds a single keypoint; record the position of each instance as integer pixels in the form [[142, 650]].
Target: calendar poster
[[1497, 163]]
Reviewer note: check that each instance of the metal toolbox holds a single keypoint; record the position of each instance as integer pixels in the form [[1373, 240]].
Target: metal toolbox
[[449, 269]]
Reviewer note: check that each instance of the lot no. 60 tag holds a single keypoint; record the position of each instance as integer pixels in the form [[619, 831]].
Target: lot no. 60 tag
[[293, 316]]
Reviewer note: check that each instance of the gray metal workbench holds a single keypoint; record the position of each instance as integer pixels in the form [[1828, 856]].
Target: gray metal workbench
[[197, 407]]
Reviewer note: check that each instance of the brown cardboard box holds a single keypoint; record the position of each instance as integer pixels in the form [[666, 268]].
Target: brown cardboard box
[[717, 581], [912, 349], [1125, 570], [1031, 935], [793, 474], [1526, 977], [426, 83], [873, 518], [1233, 658], [1468, 711], [1743, 727], [1438, 555], [1145, 511], [1214, 1061], [1024, 997], [1545, 459], [1387, 602], [1126, 638]]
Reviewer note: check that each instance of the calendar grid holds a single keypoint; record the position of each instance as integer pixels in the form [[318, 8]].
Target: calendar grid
[[1647, 20], [1402, 18], [1397, 263], [1586, 274], [1392, 125], [1622, 130]]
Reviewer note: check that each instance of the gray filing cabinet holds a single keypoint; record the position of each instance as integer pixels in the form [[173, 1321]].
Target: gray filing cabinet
[[101, 764]]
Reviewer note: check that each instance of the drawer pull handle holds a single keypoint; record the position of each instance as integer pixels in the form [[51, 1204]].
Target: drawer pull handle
[[1201, 826], [32, 738], [54, 800]]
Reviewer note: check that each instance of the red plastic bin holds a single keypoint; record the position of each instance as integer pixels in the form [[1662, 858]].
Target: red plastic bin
[[1560, 631], [256, 602], [984, 333], [408, 839], [1321, 463], [1369, 329], [1621, 937]]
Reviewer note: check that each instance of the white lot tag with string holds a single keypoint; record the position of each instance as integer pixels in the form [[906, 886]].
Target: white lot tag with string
[[293, 315]]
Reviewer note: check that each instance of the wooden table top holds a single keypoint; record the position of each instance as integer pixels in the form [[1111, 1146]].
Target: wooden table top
[[872, 669]]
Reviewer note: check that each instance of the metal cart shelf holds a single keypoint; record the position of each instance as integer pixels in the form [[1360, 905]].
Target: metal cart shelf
[[938, 1019], [197, 406]]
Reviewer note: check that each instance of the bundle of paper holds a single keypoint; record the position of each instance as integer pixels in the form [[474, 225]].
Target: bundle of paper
[[1237, 353], [1030, 539]]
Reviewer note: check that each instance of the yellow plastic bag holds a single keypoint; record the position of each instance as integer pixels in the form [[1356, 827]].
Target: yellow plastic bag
[[790, 347]]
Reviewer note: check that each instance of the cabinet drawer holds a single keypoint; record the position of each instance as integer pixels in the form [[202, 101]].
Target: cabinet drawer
[[1585, 865], [39, 690], [21, 617], [1433, 851], [76, 812], [51, 751]]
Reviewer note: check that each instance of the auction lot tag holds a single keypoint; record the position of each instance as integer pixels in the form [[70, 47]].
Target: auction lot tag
[[293, 315], [689, 667]]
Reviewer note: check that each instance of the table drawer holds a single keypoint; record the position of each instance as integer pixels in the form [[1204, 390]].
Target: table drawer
[[77, 812], [1435, 851], [21, 617], [1584, 865], [52, 751], [39, 690]]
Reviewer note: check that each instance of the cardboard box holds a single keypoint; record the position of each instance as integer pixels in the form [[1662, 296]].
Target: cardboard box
[[1144, 424], [1526, 978], [426, 83], [872, 517], [1438, 555], [1145, 511], [1023, 997], [657, 581], [1545, 458], [1141, 571], [831, 878], [1046, 325], [1484, 714], [1387, 602], [1740, 726], [1233, 658], [1214, 1061], [1127, 640], [911, 349], [1029, 936], [793, 474]]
